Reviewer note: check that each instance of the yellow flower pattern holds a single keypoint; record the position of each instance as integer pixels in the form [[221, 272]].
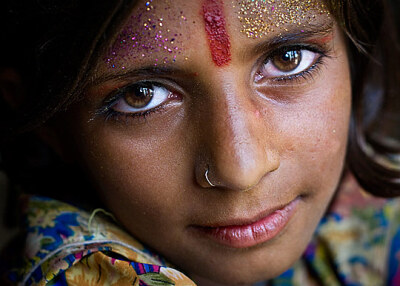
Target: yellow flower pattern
[[356, 243]]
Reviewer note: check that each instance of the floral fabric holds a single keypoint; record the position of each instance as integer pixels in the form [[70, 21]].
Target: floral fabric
[[356, 243], [67, 246]]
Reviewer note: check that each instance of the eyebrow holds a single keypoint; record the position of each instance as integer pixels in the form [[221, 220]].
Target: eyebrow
[[143, 72], [291, 36], [303, 33]]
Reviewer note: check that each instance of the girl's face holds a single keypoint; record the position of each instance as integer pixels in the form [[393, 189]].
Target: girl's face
[[258, 94]]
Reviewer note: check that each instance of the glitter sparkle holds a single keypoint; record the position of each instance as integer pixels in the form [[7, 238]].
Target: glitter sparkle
[[153, 38], [261, 17]]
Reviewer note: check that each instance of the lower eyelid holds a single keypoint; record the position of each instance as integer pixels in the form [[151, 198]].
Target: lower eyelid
[[141, 116], [153, 103], [291, 75], [304, 75], [125, 118], [312, 58]]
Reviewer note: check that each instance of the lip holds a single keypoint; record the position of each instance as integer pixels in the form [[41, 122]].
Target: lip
[[248, 233]]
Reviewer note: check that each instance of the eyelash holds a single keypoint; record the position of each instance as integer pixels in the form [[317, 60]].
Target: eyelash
[[113, 115], [110, 114], [303, 75]]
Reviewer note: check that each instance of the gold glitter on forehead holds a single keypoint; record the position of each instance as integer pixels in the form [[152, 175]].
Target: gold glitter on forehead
[[261, 17]]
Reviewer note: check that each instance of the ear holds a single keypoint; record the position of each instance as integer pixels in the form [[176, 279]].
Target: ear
[[13, 93]]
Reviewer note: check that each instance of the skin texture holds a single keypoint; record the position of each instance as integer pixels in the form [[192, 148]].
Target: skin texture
[[265, 142], [218, 38]]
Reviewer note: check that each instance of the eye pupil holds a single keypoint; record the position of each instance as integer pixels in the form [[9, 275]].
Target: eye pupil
[[139, 96], [289, 56], [288, 60]]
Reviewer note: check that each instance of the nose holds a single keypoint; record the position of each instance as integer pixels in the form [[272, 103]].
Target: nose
[[237, 140]]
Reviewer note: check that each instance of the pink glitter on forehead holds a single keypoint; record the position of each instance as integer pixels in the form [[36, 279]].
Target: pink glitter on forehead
[[146, 34]]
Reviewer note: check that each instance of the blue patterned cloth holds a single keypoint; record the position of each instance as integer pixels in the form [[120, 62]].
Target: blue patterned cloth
[[356, 243]]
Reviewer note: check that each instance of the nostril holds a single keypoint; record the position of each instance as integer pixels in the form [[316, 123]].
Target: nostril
[[205, 176], [237, 167], [247, 171], [237, 148]]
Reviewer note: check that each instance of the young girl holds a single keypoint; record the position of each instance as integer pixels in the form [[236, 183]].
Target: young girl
[[202, 142]]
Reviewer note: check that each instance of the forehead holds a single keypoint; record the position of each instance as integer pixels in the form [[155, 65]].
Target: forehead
[[154, 28], [262, 17], [163, 30]]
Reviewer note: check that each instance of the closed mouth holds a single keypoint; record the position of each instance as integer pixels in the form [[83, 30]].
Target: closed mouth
[[244, 233]]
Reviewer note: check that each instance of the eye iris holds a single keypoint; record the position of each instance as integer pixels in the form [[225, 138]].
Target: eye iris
[[139, 96], [288, 60]]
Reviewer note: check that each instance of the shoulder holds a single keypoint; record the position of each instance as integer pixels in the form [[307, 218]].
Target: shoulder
[[361, 236], [67, 246]]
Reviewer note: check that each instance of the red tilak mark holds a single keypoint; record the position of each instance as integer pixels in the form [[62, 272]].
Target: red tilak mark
[[216, 31]]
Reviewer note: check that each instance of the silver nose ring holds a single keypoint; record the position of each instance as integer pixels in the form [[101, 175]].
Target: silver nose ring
[[207, 179]]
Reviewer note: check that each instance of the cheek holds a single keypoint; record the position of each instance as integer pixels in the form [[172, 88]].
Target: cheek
[[315, 135], [124, 166], [123, 163], [324, 133]]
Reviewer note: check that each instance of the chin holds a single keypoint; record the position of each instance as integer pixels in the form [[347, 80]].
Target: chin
[[237, 276], [227, 265], [246, 266]]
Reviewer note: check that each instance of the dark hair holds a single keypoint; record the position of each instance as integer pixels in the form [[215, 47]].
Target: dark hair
[[54, 43], [50, 44], [374, 141]]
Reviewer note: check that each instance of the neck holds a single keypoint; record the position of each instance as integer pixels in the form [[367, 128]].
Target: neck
[[200, 281]]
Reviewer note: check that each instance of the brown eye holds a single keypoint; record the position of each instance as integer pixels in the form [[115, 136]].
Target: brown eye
[[139, 96], [287, 60], [287, 63]]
